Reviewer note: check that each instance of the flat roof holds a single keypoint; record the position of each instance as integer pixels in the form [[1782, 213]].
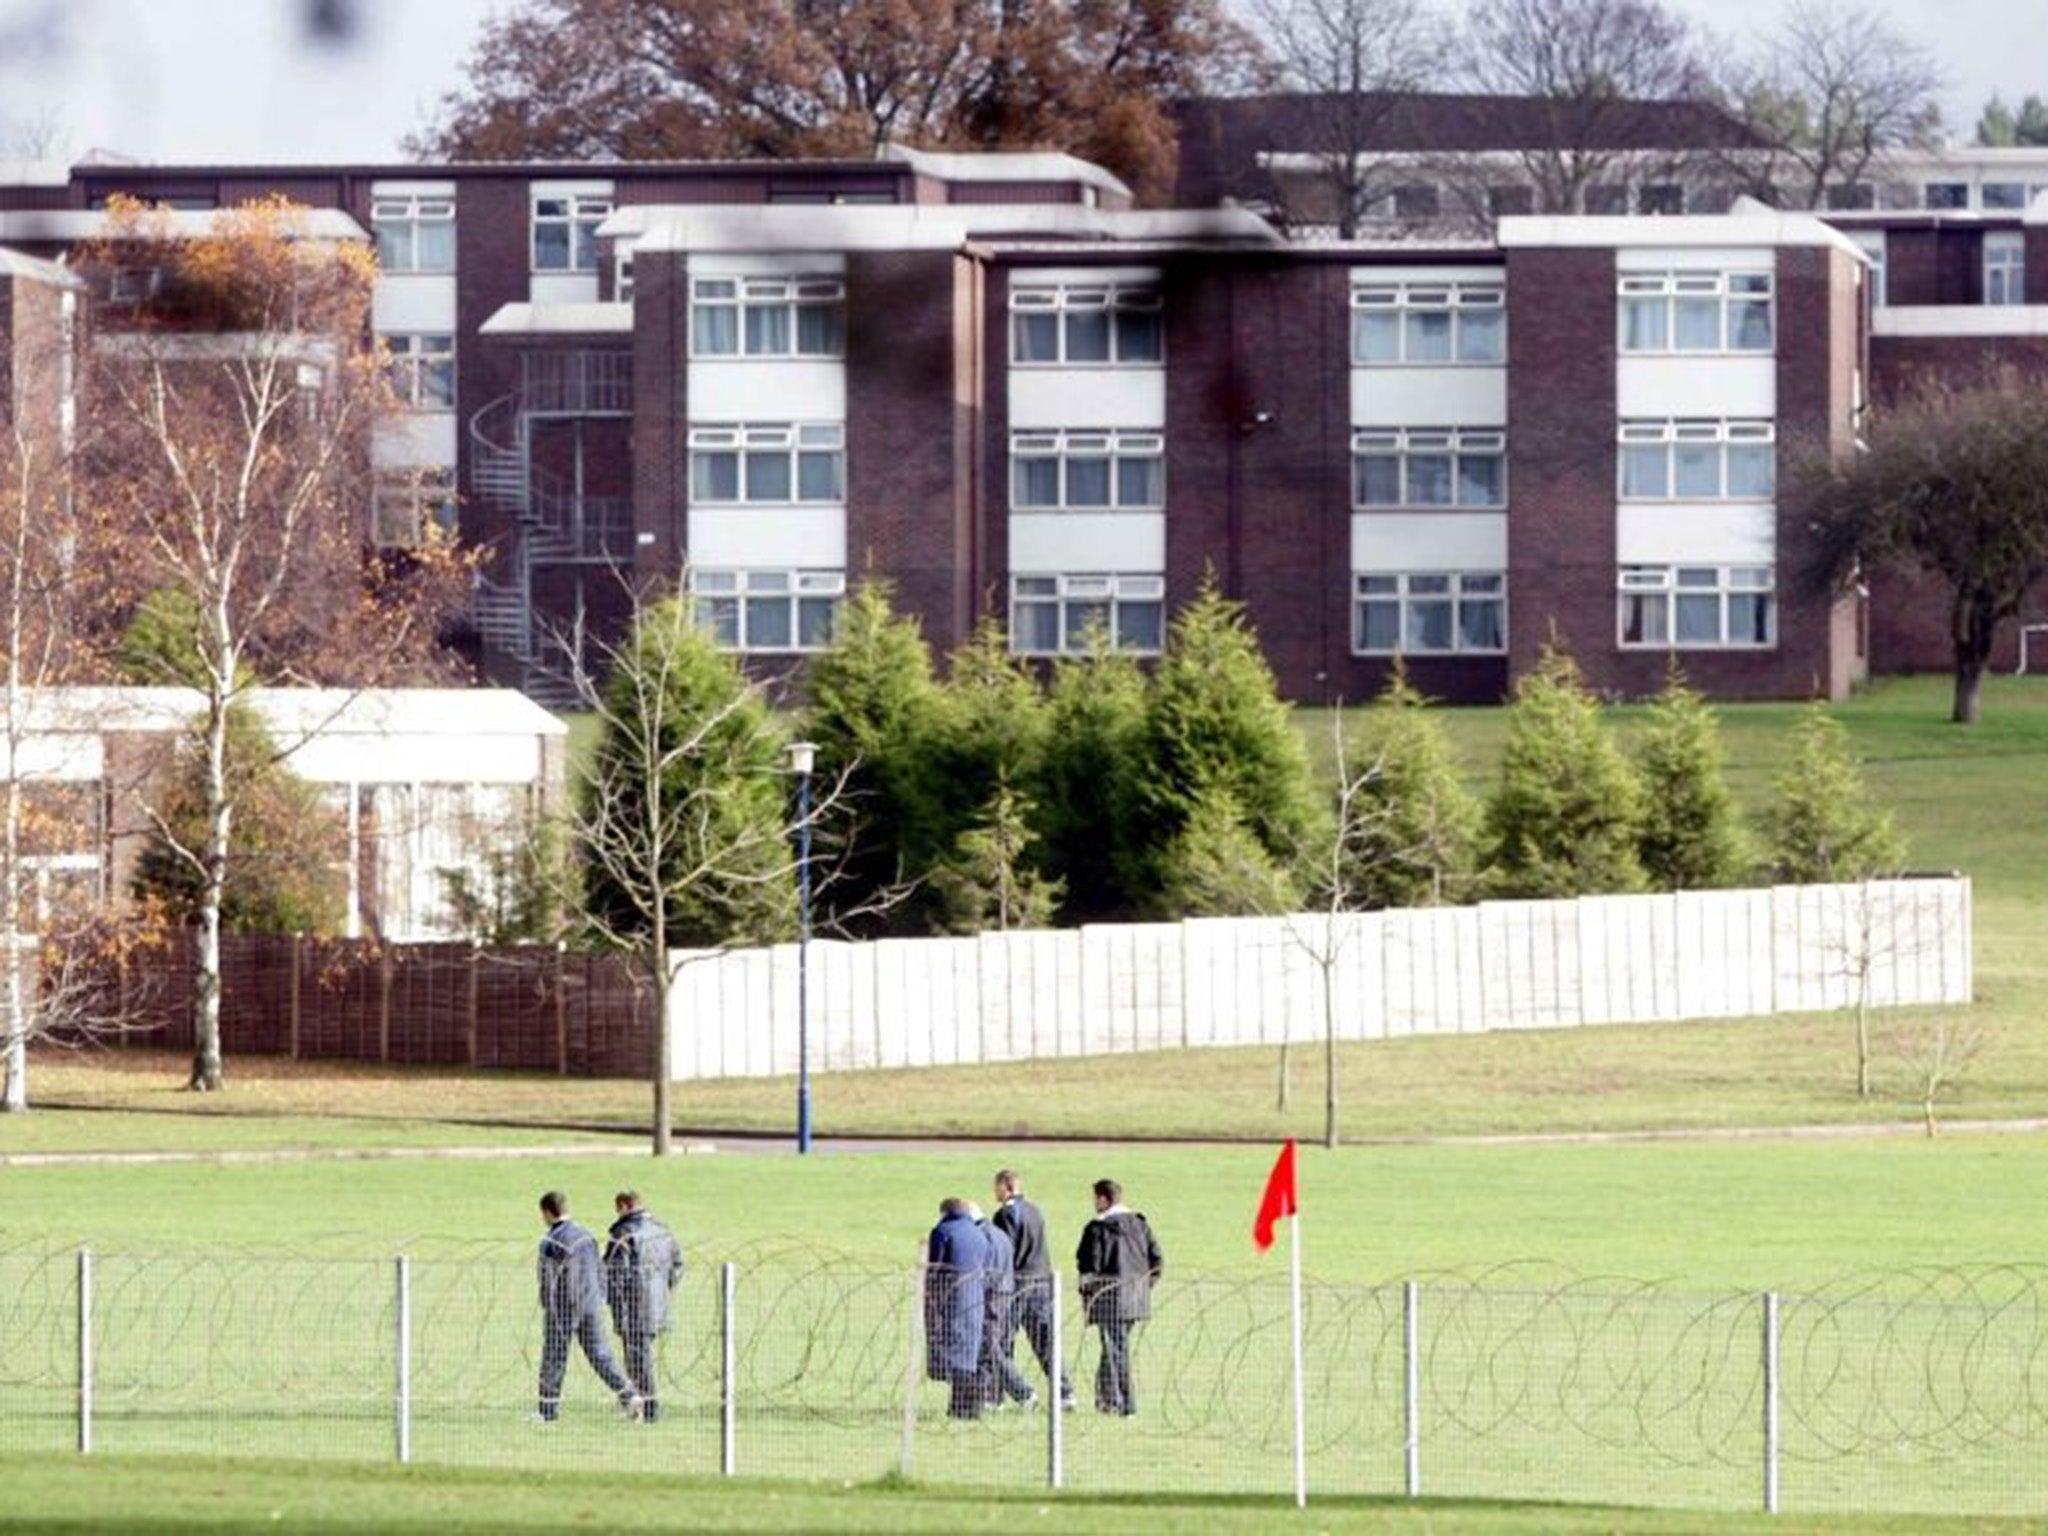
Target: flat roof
[[300, 712], [772, 228], [68, 225]]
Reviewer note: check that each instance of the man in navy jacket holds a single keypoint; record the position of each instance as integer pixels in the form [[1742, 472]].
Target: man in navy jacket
[[572, 1306], [955, 1297], [1025, 1224]]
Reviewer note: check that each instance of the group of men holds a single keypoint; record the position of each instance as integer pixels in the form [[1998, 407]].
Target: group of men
[[634, 1278], [987, 1277]]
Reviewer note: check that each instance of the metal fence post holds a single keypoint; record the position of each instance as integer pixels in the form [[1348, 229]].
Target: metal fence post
[[1411, 1387], [1770, 1402], [402, 1397], [728, 1371], [1055, 1401], [913, 1323], [84, 1351]]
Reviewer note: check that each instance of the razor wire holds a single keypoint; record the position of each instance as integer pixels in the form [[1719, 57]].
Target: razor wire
[[1895, 1388]]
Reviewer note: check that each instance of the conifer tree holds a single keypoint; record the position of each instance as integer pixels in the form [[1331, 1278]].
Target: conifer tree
[[1564, 819], [989, 882], [1413, 833], [1217, 734], [1216, 865], [1690, 839], [1824, 825], [1090, 785]]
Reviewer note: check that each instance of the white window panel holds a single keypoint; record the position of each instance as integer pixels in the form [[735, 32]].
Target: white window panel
[[768, 464], [1060, 614], [1087, 471], [414, 233], [1418, 467], [1683, 459], [415, 507], [423, 370], [564, 230], [1696, 607], [2005, 268], [1696, 313], [1428, 324], [1081, 324], [767, 610], [800, 315], [1423, 613]]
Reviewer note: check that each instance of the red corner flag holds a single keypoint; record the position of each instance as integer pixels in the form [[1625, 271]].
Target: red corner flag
[[1279, 1200]]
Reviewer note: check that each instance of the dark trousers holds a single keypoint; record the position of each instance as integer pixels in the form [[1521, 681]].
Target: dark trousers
[[1034, 1316], [963, 1394], [637, 1344], [1000, 1377], [554, 1359], [1114, 1391]]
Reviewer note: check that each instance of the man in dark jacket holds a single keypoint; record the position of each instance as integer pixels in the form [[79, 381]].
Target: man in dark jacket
[[643, 1265], [1000, 1378], [1118, 1261], [571, 1306], [955, 1291], [1025, 1224]]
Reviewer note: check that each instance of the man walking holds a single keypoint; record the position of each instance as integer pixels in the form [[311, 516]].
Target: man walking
[[571, 1299], [955, 1285], [1025, 1224], [1000, 1379], [1118, 1261], [643, 1265]]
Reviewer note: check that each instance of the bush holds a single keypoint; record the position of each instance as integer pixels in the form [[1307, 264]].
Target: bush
[[988, 881], [1092, 783], [682, 727], [1689, 839], [1413, 827], [287, 847], [1823, 825], [1216, 865], [1566, 816]]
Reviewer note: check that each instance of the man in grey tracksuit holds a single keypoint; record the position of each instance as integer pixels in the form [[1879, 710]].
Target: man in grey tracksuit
[[643, 1265], [572, 1306]]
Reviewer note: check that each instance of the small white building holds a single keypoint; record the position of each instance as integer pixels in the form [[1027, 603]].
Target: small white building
[[427, 780]]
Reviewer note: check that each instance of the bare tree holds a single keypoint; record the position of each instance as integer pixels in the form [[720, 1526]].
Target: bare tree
[[234, 388], [1591, 65], [683, 820], [1830, 95], [1934, 1053], [1361, 59]]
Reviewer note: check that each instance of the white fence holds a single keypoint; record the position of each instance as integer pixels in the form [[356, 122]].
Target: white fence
[[1252, 981]]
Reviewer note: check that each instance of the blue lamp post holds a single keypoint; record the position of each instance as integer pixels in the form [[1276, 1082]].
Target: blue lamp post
[[803, 756]]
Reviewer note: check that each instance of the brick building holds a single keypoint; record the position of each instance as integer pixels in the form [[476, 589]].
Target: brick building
[[990, 379]]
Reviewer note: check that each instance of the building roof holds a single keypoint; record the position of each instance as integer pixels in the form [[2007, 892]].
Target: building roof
[[1222, 137], [14, 264], [1008, 165], [299, 712], [1748, 223], [67, 226], [587, 319], [905, 227]]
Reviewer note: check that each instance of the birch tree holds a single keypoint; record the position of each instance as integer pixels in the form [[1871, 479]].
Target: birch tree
[[235, 384]]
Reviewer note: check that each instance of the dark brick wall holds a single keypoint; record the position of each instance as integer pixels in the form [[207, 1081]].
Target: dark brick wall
[[1896, 362], [2037, 263], [1938, 265], [1561, 416], [912, 413], [1209, 413], [660, 442]]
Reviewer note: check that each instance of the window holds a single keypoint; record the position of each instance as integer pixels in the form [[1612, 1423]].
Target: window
[[1850, 197], [2003, 194], [565, 232], [1082, 471], [1053, 614], [767, 317], [1945, 194], [1607, 197], [1698, 606], [768, 465], [1697, 460], [415, 507], [1428, 467], [831, 199], [414, 234], [1428, 323], [1437, 611], [768, 610], [1696, 312], [1509, 201], [1660, 197], [134, 285], [2005, 269], [1111, 325], [1418, 200], [622, 278], [423, 370]]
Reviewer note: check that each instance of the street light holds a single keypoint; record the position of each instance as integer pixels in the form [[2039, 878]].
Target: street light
[[803, 756]]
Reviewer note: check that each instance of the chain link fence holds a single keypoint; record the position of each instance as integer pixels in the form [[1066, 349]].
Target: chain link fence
[[1913, 1390]]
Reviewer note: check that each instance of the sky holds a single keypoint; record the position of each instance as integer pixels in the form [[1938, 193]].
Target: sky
[[192, 81]]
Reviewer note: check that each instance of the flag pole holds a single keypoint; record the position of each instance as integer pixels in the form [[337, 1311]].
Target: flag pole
[[1300, 1400]]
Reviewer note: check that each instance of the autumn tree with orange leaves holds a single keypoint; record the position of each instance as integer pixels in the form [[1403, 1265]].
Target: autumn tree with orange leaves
[[689, 79], [233, 389]]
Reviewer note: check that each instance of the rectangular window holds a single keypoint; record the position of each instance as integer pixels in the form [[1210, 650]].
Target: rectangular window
[[1945, 194], [1428, 467], [415, 507], [1705, 460], [565, 232], [768, 610], [1084, 471], [1696, 312], [2005, 269], [2004, 194], [1428, 324], [768, 464], [767, 317], [414, 234], [1425, 613], [423, 370], [1698, 607], [1510, 201], [1109, 325], [1660, 197], [1051, 615]]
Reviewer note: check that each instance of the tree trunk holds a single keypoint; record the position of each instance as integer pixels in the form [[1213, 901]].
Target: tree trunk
[[1863, 1038], [1975, 626], [1969, 701], [15, 1100], [1329, 1044], [664, 1053], [1286, 1095], [207, 1072]]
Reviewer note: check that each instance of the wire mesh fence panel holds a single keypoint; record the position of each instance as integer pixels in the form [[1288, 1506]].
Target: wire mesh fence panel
[[962, 1417], [1918, 1391], [39, 1356], [242, 1355], [1534, 1387]]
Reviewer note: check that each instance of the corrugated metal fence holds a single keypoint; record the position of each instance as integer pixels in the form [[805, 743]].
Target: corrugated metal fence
[[1249, 981]]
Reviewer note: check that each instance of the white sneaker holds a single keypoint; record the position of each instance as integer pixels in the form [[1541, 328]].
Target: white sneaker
[[636, 1407]]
